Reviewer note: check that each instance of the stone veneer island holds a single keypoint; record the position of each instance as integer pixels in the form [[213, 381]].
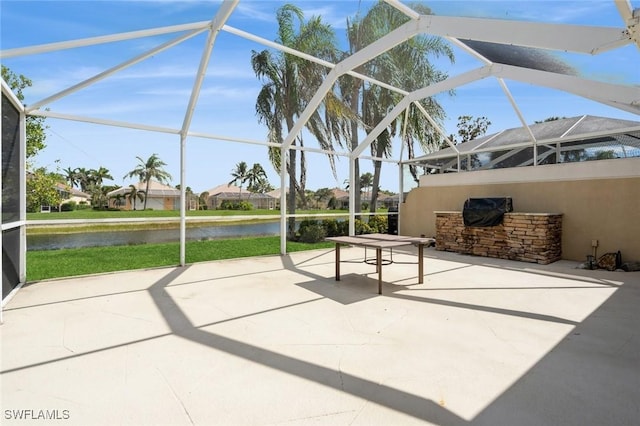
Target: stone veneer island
[[528, 237]]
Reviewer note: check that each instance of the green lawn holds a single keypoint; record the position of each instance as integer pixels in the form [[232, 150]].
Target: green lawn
[[48, 264]]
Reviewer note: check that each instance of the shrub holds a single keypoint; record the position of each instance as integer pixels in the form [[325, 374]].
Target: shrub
[[69, 206], [245, 205], [343, 227], [335, 228], [311, 231], [330, 227], [83, 205], [378, 224], [305, 223], [362, 227], [235, 205]]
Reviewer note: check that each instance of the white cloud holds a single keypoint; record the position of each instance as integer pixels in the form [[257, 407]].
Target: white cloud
[[156, 72], [54, 81], [119, 110], [251, 10], [227, 92], [230, 92], [336, 18], [329, 14]]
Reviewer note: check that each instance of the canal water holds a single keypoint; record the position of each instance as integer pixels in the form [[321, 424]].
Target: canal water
[[115, 238]]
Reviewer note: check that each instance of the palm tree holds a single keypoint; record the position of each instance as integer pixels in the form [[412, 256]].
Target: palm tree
[[135, 193], [83, 178], [91, 181], [406, 66], [71, 176], [366, 181], [289, 83], [118, 200], [99, 175], [240, 175], [261, 187], [256, 178], [152, 168]]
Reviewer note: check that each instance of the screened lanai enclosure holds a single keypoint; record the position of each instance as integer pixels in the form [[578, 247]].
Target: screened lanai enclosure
[[510, 66], [565, 140]]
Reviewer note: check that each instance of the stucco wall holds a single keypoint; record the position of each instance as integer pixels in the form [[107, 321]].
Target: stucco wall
[[599, 201]]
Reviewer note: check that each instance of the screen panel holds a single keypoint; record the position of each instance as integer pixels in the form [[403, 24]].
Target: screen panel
[[10, 260], [10, 161]]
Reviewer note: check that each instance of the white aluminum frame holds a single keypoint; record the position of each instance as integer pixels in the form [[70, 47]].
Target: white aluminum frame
[[21, 223], [591, 40]]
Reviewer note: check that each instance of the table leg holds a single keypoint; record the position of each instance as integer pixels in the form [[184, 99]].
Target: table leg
[[420, 263], [379, 267], [337, 262]]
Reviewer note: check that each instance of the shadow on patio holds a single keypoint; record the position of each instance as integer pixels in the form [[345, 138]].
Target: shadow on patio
[[276, 340]]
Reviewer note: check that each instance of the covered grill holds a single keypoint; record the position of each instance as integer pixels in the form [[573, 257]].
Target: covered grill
[[392, 221], [486, 211]]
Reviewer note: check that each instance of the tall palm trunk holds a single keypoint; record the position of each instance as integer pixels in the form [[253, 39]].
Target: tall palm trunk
[[379, 147], [303, 180], [146, 191], [377, 167]]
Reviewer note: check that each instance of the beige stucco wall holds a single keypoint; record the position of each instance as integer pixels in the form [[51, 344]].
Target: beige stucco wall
[[605, 207]]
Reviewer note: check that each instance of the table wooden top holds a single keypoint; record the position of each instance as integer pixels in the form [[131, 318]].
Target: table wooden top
[[390, 237], [367, 242], [380, 240]]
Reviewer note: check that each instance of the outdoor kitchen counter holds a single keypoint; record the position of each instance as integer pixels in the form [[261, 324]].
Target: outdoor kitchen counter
[[528, 237]]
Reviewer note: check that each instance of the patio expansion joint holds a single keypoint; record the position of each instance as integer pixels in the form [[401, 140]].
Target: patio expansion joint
[[318, 416], [175, 395], [340, 372], [64, 337], [503, 340], [119, 314]]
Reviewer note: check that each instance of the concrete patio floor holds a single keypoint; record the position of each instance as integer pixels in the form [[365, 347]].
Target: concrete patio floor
[[277, 341]]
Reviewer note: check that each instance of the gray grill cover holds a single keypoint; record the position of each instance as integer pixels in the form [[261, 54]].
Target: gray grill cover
[[486, 211]]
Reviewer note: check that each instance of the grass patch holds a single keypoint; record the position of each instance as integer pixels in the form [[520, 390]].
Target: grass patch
[[47, 264]]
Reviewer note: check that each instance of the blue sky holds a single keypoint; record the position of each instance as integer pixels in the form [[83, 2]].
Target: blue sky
[[156, 91]]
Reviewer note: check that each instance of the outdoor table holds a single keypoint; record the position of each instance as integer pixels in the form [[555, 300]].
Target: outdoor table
[[380, 242]]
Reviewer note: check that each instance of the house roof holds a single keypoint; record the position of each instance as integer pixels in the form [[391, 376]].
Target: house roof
[[394, 197], [566, 128], [246, 195], [276, 192], [156, 189], [224, 188], [231, 191], [74, 192], [339, 193]]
